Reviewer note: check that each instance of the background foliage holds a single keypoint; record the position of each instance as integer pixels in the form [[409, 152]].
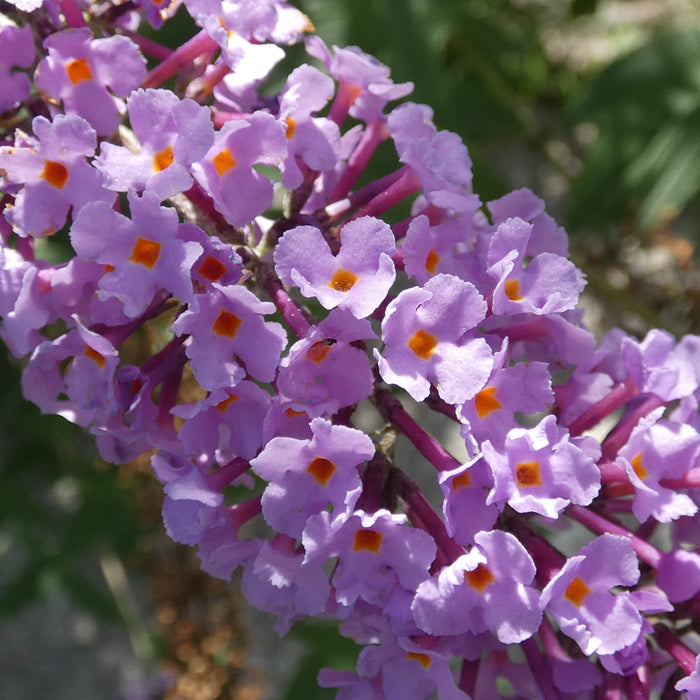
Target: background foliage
[[593, 104]]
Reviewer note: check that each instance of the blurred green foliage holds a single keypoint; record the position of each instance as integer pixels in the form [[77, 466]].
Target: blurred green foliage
[[56, 509], [486, 69]]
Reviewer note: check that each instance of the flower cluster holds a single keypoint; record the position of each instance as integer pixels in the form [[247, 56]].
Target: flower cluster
[[225, 229]]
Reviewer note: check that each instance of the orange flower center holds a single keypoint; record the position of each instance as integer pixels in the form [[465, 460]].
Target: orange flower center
[[423, 344], [145, 252], [226, 324]]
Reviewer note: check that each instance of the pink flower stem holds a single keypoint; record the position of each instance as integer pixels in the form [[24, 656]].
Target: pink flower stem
[[669, 642], [638, 685], [179, 59], [548, 560], [243, 512], [344, 98], [375, 133], [619, 396], [338, 209], [73, 14], [405, 186], [541, 670], [148, 46], [690, 480], [468, 675], [392, 410], [291, 313], [210, 80], [422, 514], [597, 523], [225, 475], [622, 431]]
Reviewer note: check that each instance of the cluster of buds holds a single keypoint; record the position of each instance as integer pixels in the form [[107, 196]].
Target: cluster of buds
[[282, 297]]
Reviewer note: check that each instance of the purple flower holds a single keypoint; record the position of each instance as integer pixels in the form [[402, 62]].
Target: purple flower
[[547, 284], [305, 476], [659, 449], [439, 159], [228, 423], [54, 173], [357, 278], [315, 140], [226, 172], [227, 322], [172, 134], [279, 582], [324, 371], [540, 470], [143, 253], [578, 596], [486, 589], [427, 333], [364, 84], [90, 75], [523, 388], [375, 553]]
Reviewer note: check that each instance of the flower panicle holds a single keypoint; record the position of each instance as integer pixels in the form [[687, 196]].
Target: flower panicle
[[294, 308]]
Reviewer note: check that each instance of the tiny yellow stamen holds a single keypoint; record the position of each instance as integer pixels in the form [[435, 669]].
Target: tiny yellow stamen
[[321, 469], [343, 280], [145, 252], [291, 127], [95, 356], [639, 469], [528, 474], [461, 480], [423, 659], [318, 351], [212, 269], [485, 402], [226, 324], [163, 159], [512, 288], [368, 539], [431, 262], [223, 161], [423, 344], [223, 405], [479, 578], [78, 70], [55, 174], [576, 592]]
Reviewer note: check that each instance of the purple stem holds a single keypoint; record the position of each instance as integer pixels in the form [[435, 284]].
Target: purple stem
[[180, 58], [690, 480], [344, 98], [73, 14], [392, 410], [622, 431], [548, 560], [619, 396], [375, 133], [148, 46], [406, 185], [541, 670], [291, 313], [638, 685], [468, 676], [597, 523], [222, 477], [432, 523], [669, 642], [118, 334], [243, 512]]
